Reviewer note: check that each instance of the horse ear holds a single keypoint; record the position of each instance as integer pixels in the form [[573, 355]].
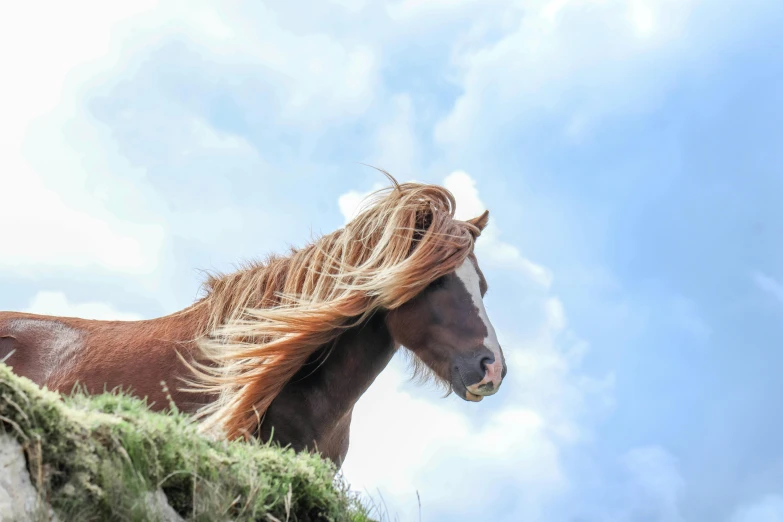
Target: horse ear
[[481, 221]]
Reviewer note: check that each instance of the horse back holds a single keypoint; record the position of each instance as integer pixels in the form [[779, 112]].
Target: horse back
[[136, 356]]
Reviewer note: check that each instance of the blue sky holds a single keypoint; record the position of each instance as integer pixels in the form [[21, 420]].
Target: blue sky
[[629, 153]]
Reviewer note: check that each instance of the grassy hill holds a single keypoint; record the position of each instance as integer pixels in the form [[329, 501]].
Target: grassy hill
[[109, 458]]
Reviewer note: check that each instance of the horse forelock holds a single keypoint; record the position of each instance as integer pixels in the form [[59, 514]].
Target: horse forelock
[[265, 320]]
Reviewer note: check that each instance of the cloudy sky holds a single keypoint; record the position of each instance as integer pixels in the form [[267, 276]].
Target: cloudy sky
[[630, 153]]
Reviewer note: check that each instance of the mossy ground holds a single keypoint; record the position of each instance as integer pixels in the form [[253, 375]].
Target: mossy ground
[[96, 458]]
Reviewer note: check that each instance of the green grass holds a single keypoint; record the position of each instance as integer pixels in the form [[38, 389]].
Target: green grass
[[96, 458]]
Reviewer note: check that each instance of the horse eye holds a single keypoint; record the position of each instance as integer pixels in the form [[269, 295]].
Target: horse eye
[[439, 282]]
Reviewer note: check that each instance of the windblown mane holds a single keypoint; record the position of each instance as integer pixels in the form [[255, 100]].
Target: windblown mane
[[266, 321]]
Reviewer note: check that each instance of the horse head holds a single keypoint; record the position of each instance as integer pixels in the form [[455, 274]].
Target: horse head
[[447, 328]]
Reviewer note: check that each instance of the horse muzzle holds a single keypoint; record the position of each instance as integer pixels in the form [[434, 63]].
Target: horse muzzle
[[487, 381]]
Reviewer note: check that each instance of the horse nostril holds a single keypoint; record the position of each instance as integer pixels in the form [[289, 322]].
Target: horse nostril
[[486, 362]]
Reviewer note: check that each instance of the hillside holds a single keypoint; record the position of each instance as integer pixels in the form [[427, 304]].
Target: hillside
[[110, 458]]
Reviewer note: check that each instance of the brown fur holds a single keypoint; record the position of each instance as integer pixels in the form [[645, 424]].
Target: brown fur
[[134, 355], [268, 320], [284, 349]]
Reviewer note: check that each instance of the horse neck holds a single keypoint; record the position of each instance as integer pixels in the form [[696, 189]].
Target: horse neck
[[347, 368], [324, 391]]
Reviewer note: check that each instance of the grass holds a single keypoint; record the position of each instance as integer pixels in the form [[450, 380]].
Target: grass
[[99, 458]]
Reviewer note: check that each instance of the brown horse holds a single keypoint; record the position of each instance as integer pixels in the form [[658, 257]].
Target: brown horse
[[285, 348]]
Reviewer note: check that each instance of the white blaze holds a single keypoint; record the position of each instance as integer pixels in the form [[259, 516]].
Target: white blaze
[[468, 274]]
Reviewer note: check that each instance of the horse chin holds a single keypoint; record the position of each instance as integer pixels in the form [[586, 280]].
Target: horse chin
[[463, 392], [472, 397]]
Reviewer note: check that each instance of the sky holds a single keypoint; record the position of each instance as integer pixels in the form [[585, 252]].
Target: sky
[[629, 153]]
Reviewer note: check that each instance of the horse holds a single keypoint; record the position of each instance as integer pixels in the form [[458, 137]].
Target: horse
[[282, 349]]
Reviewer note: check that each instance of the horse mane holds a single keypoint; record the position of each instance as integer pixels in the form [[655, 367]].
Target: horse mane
[[265, 321]]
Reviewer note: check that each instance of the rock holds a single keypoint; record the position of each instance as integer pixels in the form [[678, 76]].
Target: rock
[[159, 504], [18, 498]]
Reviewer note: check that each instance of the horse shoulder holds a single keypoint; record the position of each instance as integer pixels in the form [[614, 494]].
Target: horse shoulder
[[38, 346]]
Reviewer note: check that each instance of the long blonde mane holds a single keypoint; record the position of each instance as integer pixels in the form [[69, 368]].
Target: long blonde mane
[[268, 319]]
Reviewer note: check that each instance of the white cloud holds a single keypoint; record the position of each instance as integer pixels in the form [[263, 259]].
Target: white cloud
[[78, 202], [767, 509], [203, 136], [41, 53], [404, 10], [396, 146], [647, 485], [768, 284], [489, 246], [57, 304], [350, 203], [656, 485], [577, 60], [51, 214], [286, 59], [351, 6], [514, 439], [42, 229]]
